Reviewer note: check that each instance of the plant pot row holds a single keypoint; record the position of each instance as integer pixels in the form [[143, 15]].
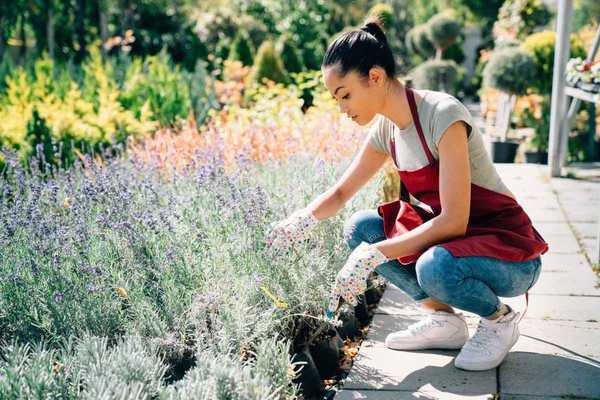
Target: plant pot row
[[320, 360], [505, 152]]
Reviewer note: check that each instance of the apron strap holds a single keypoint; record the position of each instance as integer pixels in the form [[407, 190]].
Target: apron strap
[[404, 194], [415, 116]]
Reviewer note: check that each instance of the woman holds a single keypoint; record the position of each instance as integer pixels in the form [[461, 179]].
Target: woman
[[462, 242]]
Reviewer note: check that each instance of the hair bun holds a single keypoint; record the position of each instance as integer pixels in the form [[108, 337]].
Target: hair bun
[[375, 28]]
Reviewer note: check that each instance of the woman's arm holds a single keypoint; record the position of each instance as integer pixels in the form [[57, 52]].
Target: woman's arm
[[455, 197], [366, 163]]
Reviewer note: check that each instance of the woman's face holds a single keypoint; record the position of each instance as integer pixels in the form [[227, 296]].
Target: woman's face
[[359, 98]]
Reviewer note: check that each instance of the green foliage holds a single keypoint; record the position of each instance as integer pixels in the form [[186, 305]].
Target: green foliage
[[440, 75], [78, 118], [202, 92], [418, 41], [268, 65], [290, 56], [541, 125], [521, 17], [385, 13], [511, 70], [585, 12], [541, 48], [242, 49], [158, 86], [442, 31]]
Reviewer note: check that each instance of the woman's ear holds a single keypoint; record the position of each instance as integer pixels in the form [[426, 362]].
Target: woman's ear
[[376, 76]]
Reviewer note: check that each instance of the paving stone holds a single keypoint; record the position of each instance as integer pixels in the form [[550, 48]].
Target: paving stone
[[381, 368], [560, 337], [586, 229], [410, 395], [580, 282], [547, 228], [552, 307], [549, 372], [553, 262], [562, 243]]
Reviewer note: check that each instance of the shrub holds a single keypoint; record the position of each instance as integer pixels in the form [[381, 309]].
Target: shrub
[[384, 12], [417, 41], [510, 70], [268, 65], [519, 18], [541, 48], [242, 49], [159, 86], [292, 61], [442, 31], [437, 75]]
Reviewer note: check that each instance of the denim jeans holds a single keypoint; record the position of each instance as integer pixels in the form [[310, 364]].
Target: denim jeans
[[470, 283]]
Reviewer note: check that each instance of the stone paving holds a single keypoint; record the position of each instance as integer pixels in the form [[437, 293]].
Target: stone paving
[[558, 353]]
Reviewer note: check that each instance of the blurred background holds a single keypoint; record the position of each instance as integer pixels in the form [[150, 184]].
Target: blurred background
[[79, 75]]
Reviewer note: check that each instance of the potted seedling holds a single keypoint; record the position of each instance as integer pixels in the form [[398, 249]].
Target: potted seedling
[[510, 71]]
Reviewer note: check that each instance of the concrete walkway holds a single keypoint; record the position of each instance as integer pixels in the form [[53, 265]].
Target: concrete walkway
[[558, 354]]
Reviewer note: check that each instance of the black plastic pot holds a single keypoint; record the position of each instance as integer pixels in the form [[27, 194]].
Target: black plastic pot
[[536, 157], [361, 311], [504, 152], [349, 328], [326, 354], [307, 375]]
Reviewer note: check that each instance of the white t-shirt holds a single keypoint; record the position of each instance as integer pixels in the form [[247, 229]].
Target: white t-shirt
[[437, 111]]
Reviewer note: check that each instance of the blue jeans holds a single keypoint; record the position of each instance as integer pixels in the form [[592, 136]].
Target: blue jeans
[[470, 283]]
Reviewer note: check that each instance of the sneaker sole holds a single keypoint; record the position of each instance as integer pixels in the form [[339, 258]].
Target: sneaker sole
[[455, 345]]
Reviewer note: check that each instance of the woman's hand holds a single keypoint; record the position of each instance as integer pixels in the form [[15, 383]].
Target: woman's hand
[[351, 281], [295, 228]]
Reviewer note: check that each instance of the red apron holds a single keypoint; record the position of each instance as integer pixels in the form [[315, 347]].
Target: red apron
[[498, 227]]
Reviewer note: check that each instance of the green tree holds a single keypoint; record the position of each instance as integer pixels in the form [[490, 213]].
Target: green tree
[[242, 49], [268, 64], [292, 61]]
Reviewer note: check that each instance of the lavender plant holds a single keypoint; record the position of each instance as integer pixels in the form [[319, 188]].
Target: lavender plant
[[122, 249]]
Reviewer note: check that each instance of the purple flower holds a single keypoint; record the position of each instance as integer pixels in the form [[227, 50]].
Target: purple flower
[[58, 297]]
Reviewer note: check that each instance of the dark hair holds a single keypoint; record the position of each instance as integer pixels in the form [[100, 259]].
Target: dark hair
[[360, 49]]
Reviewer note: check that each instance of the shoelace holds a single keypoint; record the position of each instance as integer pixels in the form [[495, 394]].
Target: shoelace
[[421, 325], [483, 337]]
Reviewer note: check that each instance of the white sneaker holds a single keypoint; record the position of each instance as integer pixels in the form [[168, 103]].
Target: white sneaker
[[490, 344], [439, 330]]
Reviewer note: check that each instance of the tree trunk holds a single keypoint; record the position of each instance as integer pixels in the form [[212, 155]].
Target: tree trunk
[[3, 38], [80, 29], [50, 29], [23, 49], [103, 23], [438, 53]]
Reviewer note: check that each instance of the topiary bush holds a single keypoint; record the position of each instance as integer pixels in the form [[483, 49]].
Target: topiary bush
[[442, 75], [417, 41], [442, 31], [268, 64], [384, 12], [510, 70]]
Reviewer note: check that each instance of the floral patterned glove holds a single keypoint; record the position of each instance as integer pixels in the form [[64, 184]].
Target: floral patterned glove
[[294, 228], [351, 281]]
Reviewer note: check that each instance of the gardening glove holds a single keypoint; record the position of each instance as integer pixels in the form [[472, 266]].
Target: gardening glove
[[293, 229], [351, 281]]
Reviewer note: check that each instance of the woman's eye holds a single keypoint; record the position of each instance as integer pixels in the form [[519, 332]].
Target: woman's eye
[[346, 97]]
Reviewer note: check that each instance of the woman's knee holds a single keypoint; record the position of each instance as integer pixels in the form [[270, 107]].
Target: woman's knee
[[363, 226], [437, 271]]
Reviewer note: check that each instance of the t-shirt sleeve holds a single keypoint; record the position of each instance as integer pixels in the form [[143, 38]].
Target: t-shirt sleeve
[[379, 135], [448, 112]]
